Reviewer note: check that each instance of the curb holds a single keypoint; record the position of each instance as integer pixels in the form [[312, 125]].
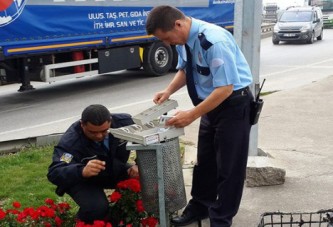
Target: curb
[[17, 144]]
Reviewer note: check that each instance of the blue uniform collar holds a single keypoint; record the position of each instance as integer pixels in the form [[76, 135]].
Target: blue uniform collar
[[194, 30]]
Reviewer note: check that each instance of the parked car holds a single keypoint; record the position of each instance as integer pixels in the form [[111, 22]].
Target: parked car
[[303, 24]]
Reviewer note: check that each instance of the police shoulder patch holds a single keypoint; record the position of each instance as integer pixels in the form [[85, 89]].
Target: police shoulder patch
[[66, 157]]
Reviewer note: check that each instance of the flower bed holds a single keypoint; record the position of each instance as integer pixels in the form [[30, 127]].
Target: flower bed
[[126, 210], [48, 215]]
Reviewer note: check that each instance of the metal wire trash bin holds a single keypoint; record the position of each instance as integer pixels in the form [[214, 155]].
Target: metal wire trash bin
[[161, 178], [175, 197], [322, 218]]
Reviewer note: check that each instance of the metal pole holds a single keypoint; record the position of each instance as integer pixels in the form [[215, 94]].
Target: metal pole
[[247, 32], [163, 212], [161, 192]]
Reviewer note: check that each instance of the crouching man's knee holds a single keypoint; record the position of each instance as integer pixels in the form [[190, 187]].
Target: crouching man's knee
[[96, 211]]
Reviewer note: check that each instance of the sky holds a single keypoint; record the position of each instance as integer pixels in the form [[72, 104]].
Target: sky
[[284, 3]]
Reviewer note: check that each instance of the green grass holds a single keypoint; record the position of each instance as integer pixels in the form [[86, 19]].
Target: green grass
[[267, 93], [23, 178]]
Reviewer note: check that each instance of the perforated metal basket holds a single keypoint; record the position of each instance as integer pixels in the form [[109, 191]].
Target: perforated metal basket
[[174, 190], [321, 218]]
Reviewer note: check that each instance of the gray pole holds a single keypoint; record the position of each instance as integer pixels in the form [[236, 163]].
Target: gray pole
[[247, 32]]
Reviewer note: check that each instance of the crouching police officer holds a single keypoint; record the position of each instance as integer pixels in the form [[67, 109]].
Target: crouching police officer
[[88, 159]]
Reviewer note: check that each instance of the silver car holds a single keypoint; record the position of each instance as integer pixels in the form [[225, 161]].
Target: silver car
[[303, 24]]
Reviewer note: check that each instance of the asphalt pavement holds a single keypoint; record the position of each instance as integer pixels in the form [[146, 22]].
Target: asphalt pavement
[[295, 130]]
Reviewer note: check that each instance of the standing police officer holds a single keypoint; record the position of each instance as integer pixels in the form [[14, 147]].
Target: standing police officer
[[217, 77]]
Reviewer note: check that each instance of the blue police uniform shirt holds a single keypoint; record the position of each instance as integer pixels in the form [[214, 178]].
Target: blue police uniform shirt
[[105, 142], [224, 59]]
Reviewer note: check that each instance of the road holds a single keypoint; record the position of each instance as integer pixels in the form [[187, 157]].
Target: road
[[290, 65], [51, 108]]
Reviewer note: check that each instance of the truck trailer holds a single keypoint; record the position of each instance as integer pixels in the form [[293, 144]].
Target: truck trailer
[[52, 40]]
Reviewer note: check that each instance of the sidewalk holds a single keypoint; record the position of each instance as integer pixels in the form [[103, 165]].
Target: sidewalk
[[296, 130]]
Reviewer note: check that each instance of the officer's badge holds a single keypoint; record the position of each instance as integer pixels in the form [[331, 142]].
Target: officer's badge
[[66, 157]]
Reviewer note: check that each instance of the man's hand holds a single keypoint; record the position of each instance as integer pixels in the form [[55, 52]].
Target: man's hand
[[133, 171], [181, 119], [160, 97], [93, 168]]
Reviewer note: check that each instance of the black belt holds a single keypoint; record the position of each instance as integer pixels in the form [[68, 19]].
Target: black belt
[[243, 92], [237, 96]]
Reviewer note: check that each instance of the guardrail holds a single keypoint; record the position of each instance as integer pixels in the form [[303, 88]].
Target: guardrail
[[266, 30]]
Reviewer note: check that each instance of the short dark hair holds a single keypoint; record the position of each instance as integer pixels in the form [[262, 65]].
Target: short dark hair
[[162, 17], [95, 114]]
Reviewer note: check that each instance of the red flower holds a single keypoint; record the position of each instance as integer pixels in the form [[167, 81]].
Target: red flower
[[139, 206], [63, 207], [58, 221], [16, 204], [2, 214], [29, 211], [21, 218], [47, 224], [98, 223], [50, 213], [115, 196], [49, 201], [80, 224], [132, 184], [45, 211], [150, 222]]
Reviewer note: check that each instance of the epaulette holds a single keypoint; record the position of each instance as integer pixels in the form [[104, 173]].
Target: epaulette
[[204, 43]]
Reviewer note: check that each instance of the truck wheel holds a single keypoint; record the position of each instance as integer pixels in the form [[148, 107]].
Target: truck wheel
[[157, 59]]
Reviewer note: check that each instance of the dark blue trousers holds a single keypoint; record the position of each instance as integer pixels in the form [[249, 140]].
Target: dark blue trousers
[[218, 177], [92, 201]]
